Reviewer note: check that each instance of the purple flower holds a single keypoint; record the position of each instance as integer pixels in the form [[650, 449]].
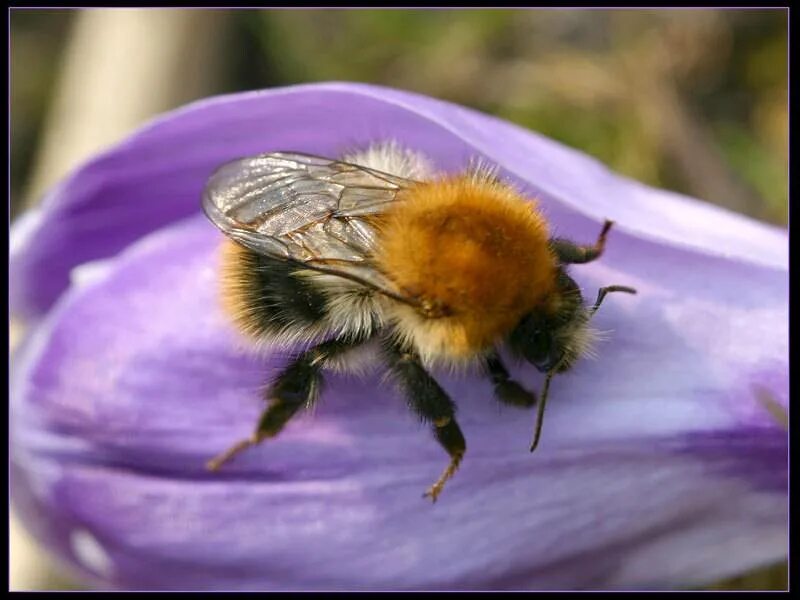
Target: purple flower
[[661, 465]]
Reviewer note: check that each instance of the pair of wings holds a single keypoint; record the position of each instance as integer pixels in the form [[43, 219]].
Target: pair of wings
[[306, 209]]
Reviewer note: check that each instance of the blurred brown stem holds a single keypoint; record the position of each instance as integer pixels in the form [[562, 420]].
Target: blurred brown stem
[[121, 67]]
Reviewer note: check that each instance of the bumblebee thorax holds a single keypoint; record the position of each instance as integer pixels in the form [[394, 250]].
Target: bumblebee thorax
[[472, 246]]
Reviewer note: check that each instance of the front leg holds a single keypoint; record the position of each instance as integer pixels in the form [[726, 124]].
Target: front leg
[[431, 404], [296, 387], [571, 253], [506, 389]]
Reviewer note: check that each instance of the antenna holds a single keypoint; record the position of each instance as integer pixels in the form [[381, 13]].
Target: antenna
[[601, 294]]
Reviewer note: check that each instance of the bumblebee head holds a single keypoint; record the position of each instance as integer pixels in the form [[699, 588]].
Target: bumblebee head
[[552, 338], [552, 342]]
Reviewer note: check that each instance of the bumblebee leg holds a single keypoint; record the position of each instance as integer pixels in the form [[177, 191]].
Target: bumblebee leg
[[432, 404], [571, 253], [506, 389], [450, 437], [296, 387]]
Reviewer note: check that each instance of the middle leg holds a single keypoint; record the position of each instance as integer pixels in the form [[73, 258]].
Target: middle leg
[[432, 404]]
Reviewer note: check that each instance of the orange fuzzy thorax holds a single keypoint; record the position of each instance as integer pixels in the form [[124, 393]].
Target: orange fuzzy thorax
[[473, 246]]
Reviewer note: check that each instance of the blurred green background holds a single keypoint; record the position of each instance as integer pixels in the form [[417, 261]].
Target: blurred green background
[[695, 101], [690, 100]]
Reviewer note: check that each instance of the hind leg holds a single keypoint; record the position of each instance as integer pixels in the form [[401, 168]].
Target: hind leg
[[432, 405]]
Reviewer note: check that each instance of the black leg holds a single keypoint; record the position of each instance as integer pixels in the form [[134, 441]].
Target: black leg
[[295, 388], [571, 253], [432, 404], [506, 389]]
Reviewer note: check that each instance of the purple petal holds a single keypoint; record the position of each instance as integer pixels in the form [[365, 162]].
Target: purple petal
[[659, 467], [155, 178], [661, 463]]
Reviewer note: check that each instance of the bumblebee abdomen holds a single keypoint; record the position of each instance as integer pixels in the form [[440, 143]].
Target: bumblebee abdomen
[[474, 247], [266, 299]]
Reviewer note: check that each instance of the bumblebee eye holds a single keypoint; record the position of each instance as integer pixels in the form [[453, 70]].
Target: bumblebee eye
[[539, 346], [532, 340]]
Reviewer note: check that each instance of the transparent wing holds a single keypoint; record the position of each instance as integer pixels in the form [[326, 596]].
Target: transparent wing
[[305, 208]]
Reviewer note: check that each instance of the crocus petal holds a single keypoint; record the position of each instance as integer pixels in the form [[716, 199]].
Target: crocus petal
[[155, 177], [661, 464]]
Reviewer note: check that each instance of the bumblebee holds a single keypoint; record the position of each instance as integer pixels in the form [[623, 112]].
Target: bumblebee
[[436, 270]]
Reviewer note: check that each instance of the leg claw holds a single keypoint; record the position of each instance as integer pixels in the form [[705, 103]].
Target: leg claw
[[432, 493], [215, 463]]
